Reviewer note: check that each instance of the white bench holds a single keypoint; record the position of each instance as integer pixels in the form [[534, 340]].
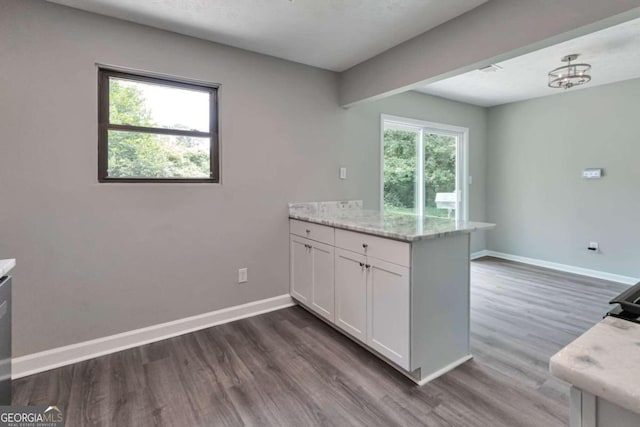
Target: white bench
[[446, 201]]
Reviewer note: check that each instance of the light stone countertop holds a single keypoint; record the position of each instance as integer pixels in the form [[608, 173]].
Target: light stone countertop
[[396, 226], [6, 265], [604, 361]]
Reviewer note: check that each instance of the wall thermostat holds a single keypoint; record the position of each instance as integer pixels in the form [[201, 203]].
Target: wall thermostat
[[592, 173]]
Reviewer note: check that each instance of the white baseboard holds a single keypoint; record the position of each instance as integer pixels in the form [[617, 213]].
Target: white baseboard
[[61, 356], [479, 254], [560, 267], [444, 370]]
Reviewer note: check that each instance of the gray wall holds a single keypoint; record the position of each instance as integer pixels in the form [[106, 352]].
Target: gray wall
[[543, 208], [97, 259], [494, 31], [363, 136]]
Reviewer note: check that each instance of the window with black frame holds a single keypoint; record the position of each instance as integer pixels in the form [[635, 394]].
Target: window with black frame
[[155, 129]]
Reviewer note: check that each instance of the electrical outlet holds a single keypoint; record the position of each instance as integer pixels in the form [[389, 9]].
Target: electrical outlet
[[242, 275], [593, 247]]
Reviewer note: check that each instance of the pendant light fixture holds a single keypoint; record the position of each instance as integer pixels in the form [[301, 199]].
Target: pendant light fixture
[[569, 75]]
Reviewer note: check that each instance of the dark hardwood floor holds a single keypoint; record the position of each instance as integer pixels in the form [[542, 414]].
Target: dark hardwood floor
[[286, 368]]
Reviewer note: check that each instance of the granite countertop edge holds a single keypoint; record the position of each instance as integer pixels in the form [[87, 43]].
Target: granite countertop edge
[[580, 363], [6, 265], [335, 222]]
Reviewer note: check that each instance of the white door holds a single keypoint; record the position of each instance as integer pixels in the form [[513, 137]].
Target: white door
[[388, 310], [351, 293], [425, 169], [301, 269], [323, 289]]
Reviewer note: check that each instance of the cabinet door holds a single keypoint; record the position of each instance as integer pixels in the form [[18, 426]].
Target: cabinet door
[[388, 310], [301, 269], [322, 287], [351, 293]]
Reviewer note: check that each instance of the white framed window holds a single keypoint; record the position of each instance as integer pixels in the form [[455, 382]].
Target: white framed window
[[424, 168]]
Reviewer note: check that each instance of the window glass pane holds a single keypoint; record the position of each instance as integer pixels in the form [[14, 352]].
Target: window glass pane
[[145, 155], [400, 170], [440, 175], [147, 104]]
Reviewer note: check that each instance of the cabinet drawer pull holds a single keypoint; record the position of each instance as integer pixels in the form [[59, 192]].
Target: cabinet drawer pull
[[308, 231], [364, 245]]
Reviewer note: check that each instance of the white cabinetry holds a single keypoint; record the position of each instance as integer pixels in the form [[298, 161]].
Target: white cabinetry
[[351, 293], [322, 287], [589, 410], [311, 275], [407, 302], [300, 269], [370, 295], [388, 310]]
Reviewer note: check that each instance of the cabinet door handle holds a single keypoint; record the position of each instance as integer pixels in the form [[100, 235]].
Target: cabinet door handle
[[364, 245], [362, 264], [308, 231], [368, 266]]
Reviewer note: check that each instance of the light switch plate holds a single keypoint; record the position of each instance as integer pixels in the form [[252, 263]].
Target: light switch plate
[[242, 275], [343, 173]]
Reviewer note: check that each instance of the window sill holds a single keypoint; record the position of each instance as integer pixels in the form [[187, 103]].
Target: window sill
[[158, 181]]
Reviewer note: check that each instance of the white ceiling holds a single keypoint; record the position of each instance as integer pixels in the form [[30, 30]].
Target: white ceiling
[[614, 54], [330, 34]]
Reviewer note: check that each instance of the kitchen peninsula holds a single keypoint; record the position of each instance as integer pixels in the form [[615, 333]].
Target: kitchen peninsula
[[398, 284]]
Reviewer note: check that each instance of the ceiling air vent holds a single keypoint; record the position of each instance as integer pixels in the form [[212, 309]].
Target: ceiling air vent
[[491, 68]]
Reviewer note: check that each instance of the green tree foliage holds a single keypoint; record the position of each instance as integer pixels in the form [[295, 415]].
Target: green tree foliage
[[439, 167], [399, 169], [136, 154], [400, 159]]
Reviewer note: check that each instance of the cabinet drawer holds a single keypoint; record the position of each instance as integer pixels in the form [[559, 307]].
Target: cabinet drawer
[[373, 246], [317, 232]]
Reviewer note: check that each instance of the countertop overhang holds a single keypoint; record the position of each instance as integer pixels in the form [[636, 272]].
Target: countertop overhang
[[604, 361], [6, 265], [403, 227]]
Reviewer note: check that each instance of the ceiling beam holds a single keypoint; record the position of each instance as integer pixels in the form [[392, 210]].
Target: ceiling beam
[[493, 32]]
